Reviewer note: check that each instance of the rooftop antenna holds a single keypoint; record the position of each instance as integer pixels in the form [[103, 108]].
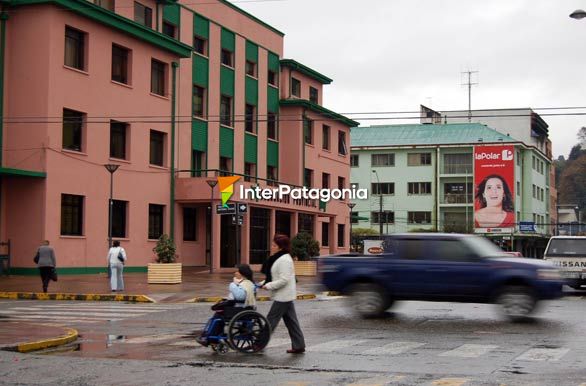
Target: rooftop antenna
[[469, 84]]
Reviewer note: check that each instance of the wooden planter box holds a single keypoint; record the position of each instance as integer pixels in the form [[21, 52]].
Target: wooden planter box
[[164, 273], [305, 268]]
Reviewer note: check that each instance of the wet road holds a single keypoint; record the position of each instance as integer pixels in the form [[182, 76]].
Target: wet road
[[418, 343]]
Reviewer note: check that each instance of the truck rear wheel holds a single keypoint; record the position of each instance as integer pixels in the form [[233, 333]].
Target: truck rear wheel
[[517, 302], [368, 300]]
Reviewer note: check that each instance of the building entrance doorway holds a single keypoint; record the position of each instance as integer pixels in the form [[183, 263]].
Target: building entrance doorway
[[229, 255]]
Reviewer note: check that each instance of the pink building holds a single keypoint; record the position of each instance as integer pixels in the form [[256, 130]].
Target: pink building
[[174, 95]]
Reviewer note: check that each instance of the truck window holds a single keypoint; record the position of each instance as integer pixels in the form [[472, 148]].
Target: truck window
[[567, 247], [450, 250]]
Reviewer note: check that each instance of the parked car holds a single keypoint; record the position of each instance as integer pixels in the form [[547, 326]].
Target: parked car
[[568, 253], [514, 254], [440, 267]]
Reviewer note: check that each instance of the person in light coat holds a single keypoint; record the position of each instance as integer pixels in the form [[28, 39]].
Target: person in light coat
[[116, 266], [280, 280], [46, 262], [242, 287]]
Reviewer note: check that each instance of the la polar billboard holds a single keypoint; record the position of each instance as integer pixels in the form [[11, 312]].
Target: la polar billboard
[[494, 189]]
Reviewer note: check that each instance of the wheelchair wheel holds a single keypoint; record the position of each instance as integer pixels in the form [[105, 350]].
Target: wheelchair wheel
[[249, 332]]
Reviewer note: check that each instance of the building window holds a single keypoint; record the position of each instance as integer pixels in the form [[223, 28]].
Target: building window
[[419, 217], [75, 48], [155, 221], [226, 111], [325, 234], [249, 118], [143, 15], [169, 29], [189, 224], [341, 235], [458, 163], [118, 139], [418, 159], [158, 71], [250, 68], [227, 58], [225, 166], [386, 217], [199, 101], [305, 223], [119, 214], [120, 60], [313, 95], [383, 160], [272, 78], [342, 149], [325, 144], [383, 188], [272, 126], [295, 87], [249, 171], [71, 215], [341, 183], [518, 188], [354, 160], [308, 178], [325, 180], [198, 163], [272, 175], [73, 122], [200, 45], [308, 130], [420, 188], [157, 150], [106, 4]]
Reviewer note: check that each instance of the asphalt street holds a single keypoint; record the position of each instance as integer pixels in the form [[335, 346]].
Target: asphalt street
[[416, 343]]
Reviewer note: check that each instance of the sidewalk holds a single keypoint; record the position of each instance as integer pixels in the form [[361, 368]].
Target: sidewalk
[[25, 337], [197, 284]]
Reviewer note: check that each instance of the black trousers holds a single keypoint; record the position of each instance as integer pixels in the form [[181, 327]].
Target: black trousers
[[286, 310], [45, 276]]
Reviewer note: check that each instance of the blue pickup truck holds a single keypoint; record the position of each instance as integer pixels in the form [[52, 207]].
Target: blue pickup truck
[[440, 267]]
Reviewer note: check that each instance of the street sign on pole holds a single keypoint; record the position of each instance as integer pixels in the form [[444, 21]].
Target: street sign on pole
[[228, 209], [242, 208], [527, 226]]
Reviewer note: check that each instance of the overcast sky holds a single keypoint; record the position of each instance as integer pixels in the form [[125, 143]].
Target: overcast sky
[[393, 55]]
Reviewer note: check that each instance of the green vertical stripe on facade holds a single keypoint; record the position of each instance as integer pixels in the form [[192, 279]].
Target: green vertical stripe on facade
[[200, 71], [250, 148], [251, 91], [272, 99], [273, 153], [226, 142], [273, 62], [251, 52], [227, 81], [172, 14], [199, 135], [201, 26], [228, 40]]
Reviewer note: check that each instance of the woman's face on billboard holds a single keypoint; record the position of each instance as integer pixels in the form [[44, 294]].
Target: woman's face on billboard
[[493, 192]]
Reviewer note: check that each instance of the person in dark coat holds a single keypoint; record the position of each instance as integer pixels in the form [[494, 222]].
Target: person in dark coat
[[46, 263]]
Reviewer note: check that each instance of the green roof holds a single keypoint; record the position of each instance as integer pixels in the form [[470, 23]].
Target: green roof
[[425, 134], [290, 63], [327, 114]]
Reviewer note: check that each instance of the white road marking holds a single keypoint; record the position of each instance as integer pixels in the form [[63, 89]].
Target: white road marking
[[393, 348], [377, 380], [152, 338], [543, 354], [50, 314], [274, 342], [334, 345], [469, 351]]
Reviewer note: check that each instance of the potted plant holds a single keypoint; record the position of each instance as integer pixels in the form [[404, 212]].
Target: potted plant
[[303, 248], [165, 270]]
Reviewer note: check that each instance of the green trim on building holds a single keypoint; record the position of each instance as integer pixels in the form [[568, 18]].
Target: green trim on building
[[250, 148], [274, 62], [226, 81], [200, 71], [251, 51], [201, 25], [110, 19], [172, 14], [21, 173], [327, 114], [199, 135], [228, 40], [251, 91], [74, 270], [226, 142], [294, 65], [273, 99], [273, 153]]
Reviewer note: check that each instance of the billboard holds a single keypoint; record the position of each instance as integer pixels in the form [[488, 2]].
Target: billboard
[[494, 189]]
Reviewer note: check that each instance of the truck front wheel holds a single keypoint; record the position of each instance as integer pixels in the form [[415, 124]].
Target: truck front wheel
[[517, 302], [368, 300]]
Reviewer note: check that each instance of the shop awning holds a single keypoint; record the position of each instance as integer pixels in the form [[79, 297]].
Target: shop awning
[[21, 173]]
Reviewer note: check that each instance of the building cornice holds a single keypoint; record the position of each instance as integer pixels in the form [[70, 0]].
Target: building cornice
[[294, 65], [329, 114]]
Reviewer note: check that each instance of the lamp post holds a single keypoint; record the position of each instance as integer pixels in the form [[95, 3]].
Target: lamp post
[[111, 168], [351, 205], [578, 14], [380, 205], [212, 184]]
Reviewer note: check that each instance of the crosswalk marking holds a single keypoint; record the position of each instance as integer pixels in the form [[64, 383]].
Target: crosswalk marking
[[274, 342], [74, 313], [393, 348], [153, 338], [375, 381], [469, 351], [334, 345], [450, 381], [543, 354]]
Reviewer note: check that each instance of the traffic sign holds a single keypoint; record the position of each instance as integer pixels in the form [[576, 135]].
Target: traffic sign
[[237, 219], [242, 208], [228, 209], [527, 226]]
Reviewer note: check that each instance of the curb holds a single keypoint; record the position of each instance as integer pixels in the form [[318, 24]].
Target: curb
[[215, 299], [82, 297], [70, 336]]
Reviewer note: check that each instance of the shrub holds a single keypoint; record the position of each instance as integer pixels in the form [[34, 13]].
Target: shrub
[[165, 250], [304, 247]]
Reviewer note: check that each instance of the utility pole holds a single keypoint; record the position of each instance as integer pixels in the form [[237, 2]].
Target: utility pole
[[469, 84]]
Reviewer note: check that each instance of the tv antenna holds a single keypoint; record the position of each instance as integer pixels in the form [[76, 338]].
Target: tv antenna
[[470, 84]]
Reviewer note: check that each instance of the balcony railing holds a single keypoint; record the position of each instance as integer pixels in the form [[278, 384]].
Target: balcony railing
[[455, 198], [457, 169]]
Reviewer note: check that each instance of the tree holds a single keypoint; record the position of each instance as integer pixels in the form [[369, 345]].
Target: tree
[[582, 136], [165, 250], [304, 246], [573, 184]]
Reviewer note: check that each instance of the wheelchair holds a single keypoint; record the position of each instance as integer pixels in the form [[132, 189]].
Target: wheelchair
[[237, 328]]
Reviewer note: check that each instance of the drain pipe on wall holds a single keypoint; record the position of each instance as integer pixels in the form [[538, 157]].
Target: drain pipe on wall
[[174, 66], [3, 18]]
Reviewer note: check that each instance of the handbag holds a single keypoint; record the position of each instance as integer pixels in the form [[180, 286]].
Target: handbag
[[36, 259], [120, 256], [54, 274]]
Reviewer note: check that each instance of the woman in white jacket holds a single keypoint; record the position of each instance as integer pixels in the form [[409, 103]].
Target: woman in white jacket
[[280, 280], [116, 259]]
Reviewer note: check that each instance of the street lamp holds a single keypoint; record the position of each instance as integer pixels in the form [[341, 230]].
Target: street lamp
[[212, 184], [351, 205], [380, 205], [578, 14], [111, 168]]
